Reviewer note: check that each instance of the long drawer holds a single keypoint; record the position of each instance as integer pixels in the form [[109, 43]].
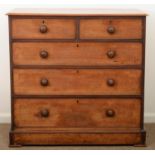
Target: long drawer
[[87, 54], [77, 82], [67, 113]]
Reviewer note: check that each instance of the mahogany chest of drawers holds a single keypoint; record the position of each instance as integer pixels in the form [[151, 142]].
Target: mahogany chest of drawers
[[77, 77]]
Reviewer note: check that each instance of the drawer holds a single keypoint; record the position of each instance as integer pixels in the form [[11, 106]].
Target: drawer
[[66, 113], [111, 28], [43, 28], [77, 82], [86, 54]]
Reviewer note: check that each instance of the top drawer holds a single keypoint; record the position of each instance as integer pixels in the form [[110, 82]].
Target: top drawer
[[43, 28], [111, 28]]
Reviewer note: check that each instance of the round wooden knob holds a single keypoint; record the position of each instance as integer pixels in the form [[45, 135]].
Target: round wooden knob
[[111, 29], [110, 82], [111, 54], [44, 82], [44, 113], [110, 113], [44, 54], [43, 28]]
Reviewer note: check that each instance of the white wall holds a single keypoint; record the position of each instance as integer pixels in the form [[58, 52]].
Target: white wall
[[150, 56]]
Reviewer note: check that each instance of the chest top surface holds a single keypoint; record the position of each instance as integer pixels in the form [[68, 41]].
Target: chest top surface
[[75, 12]]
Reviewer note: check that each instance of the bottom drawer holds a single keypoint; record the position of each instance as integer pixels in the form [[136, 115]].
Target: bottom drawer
[[78, 113]]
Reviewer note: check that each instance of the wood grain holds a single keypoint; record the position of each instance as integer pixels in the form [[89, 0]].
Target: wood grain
[[77, 82], [97, 28], [77, 139], [30, 28], [76, 130], [81, 113], [88, 54], [54, 102]]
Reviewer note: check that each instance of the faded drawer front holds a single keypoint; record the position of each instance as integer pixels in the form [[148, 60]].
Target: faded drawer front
[[111, 28], [86, 54], [77, 82], [43, 28], [66, 113]]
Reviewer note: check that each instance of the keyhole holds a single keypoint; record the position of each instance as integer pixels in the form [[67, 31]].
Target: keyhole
[[77, 45], [77, 71], [43, 21], [77, 101]]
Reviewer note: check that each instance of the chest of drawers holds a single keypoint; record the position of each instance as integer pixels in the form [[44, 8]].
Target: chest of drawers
[[77, 77]]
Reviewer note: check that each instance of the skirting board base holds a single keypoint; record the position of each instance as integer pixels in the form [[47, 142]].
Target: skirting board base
[[110, 138]]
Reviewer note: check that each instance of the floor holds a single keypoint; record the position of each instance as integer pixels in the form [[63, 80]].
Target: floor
[[150, 129]]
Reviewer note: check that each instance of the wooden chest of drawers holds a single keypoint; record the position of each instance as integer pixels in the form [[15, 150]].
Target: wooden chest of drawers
[[77, 78]]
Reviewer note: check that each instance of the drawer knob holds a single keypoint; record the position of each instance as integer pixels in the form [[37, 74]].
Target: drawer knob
[[110, 82], [110, 113], [44, 82], [111, 54], [44, 113], [111, 29], [44, 54], [43, 28]]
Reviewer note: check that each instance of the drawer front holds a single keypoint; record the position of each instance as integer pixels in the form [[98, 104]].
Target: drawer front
[[65, 113], [87, 54], [43, 28], [77, 82], [111, 29]]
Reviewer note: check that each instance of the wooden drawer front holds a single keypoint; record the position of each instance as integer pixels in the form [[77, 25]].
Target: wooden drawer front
[[77, 82], [64, 113], [56, 28], [119, 29], [87, 54]]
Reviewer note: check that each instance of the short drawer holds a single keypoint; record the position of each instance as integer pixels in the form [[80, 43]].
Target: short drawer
[[111, 28], [78, 54], [77, 82], [67, 113], [43, 28]]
